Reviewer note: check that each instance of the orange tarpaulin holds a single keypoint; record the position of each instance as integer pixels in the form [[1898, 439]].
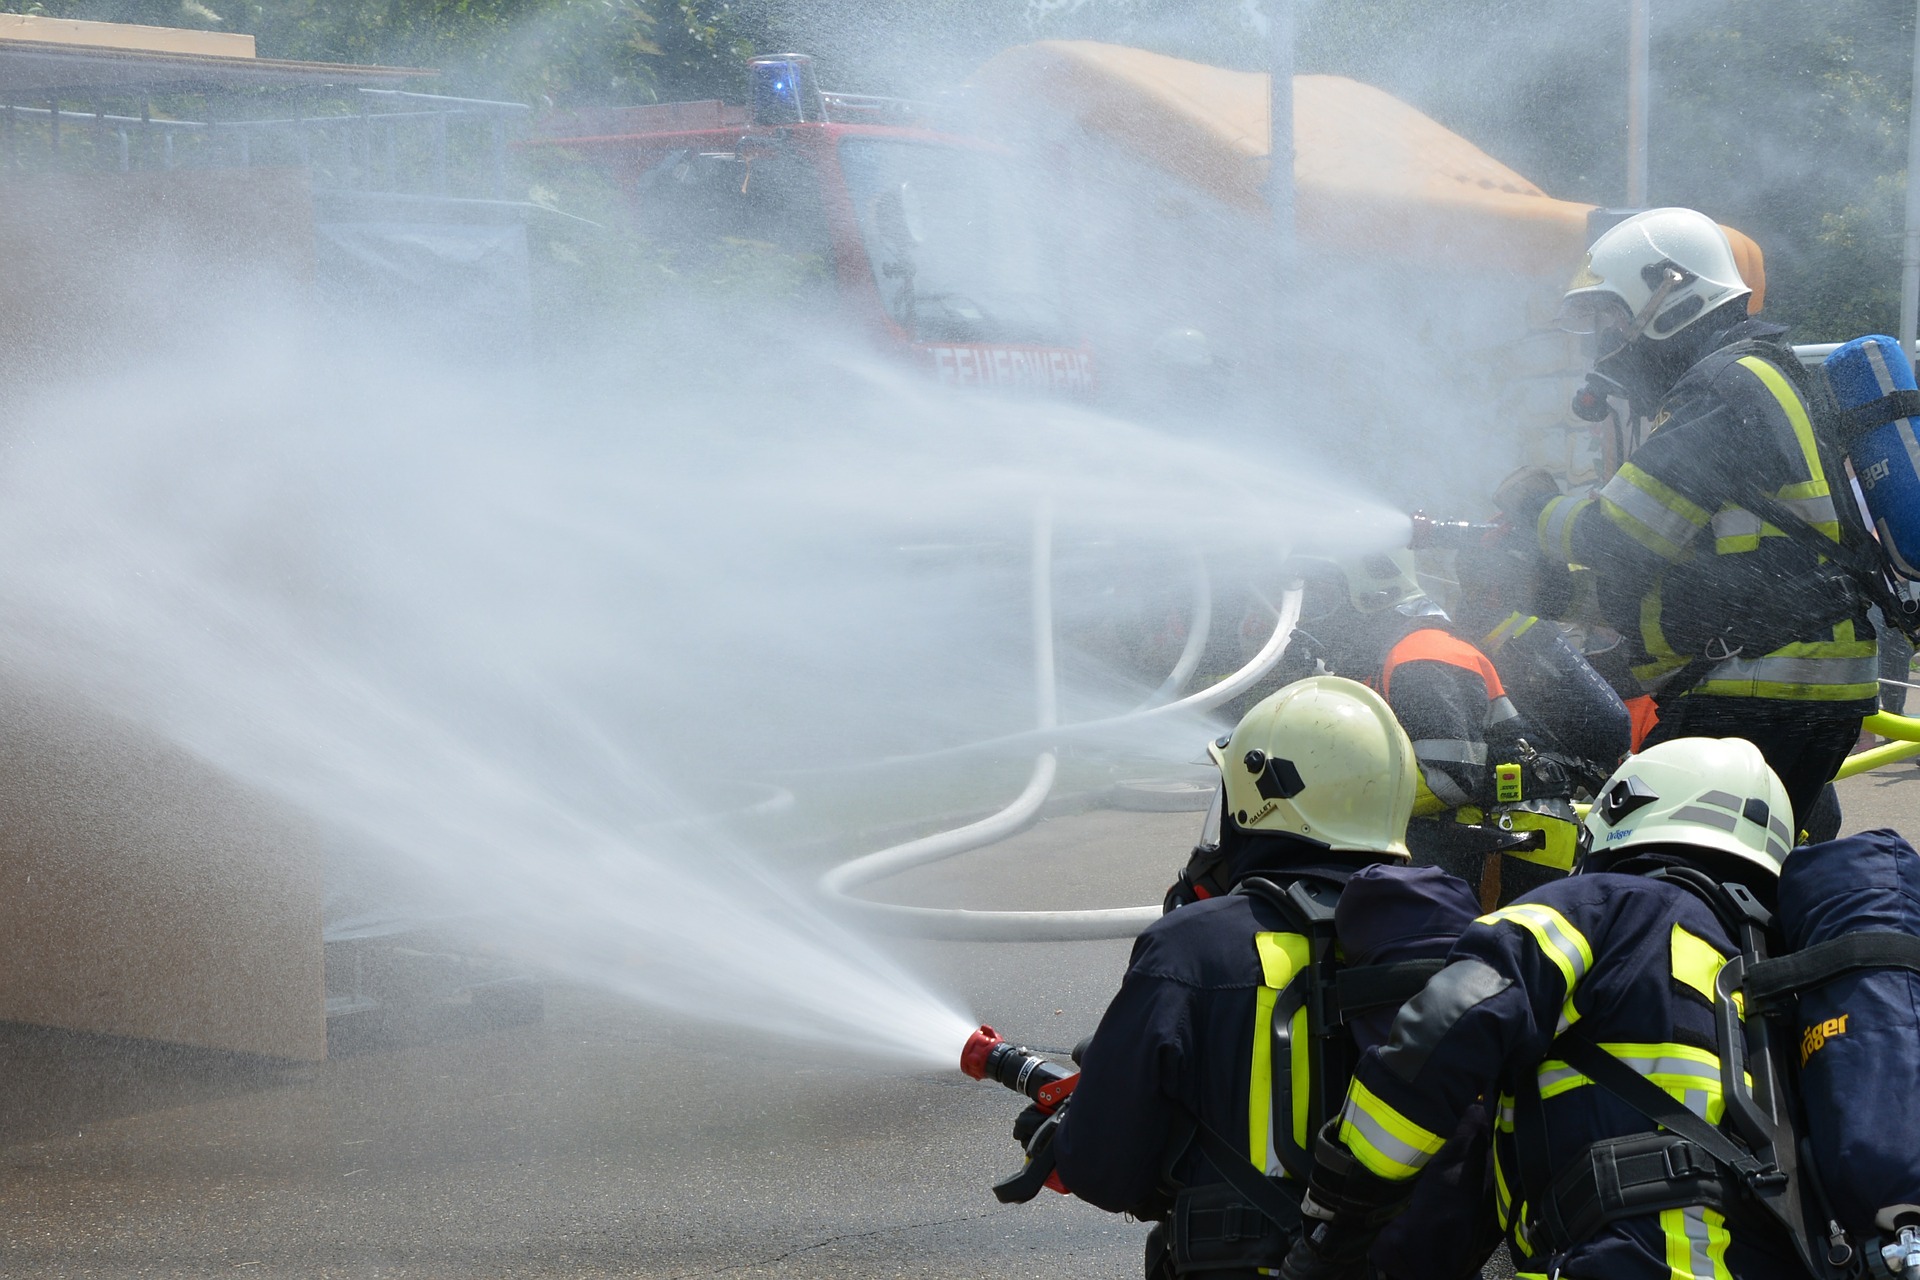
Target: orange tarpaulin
[[1372, 175]]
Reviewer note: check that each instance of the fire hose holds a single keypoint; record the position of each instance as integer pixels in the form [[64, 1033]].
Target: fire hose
[[959, 924]]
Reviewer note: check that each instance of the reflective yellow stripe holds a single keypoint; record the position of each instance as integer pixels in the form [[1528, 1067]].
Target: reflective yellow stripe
[[1688, 1075], [1554, 529], [1664, 661], [1512, 626], [1382, 1139], [1775, 382], [1563, 944], [1652, 513], [1260, 1086], [1843, 669], [1695, 962], [1283, 957], [1502, 1197], [1696, 1241]]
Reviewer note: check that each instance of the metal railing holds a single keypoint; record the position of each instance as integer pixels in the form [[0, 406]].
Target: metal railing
[[426, 144]]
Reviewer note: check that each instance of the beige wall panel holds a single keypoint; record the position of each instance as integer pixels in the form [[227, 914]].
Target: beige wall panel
[[143, 894]]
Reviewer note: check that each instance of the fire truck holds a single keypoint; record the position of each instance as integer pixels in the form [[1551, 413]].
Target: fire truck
[[917, 233]]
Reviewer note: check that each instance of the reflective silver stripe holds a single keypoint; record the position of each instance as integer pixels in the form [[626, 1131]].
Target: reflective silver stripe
[[1401, 1153], [1725, 799], [1444, 788], [1877, 362], [1799, 670], [1694, 1222], [1812, 510], [1706, 817], [1738, 522], [1557, 1076], [1665, 523], [1500, 710], [1452, 750], [1779, 828], [1661, 1065]]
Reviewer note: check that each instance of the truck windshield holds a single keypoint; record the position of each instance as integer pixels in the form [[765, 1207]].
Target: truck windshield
[[952, 256]]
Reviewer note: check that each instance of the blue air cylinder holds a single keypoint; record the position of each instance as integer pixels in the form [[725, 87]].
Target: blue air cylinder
[[1873, 381]]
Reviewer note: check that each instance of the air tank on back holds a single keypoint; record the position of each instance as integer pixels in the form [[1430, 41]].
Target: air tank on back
[[1873, 381]]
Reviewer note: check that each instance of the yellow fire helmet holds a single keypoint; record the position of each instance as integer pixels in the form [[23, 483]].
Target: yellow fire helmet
[[1708, 793], [1325, 760]]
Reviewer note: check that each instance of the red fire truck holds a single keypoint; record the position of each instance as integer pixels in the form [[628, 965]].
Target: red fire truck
[[918, 233]]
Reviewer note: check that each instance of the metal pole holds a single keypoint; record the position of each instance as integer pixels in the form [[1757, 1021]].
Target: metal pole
[[1280, 192], [1638, 63], [1910, 260], [1280, 119]]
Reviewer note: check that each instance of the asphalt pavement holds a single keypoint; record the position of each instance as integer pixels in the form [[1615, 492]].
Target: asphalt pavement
[[607, 1138]]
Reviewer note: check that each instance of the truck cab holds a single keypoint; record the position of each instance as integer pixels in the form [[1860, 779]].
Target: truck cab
[[917, 235]]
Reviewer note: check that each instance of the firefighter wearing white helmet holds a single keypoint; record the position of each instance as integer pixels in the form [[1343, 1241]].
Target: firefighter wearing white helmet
[[1705, 545], [1224, 1047], [1606, 973]]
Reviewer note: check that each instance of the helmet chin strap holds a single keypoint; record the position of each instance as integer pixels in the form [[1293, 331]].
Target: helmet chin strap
[[1671, 278]]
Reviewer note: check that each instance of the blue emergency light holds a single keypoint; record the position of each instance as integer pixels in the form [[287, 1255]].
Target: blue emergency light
[[782, 89]]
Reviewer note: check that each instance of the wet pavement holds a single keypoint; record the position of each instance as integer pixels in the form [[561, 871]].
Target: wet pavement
[[605, 1139]]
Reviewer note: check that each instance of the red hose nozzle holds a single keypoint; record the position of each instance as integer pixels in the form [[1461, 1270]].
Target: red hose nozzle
[[973, 1055]]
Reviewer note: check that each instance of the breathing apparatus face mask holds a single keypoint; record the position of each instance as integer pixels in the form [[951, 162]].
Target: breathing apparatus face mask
[[1626, 362]]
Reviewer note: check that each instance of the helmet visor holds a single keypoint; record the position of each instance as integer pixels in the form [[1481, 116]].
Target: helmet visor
[[1601, 317]]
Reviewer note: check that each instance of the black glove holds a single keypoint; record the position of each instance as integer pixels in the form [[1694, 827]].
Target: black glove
[[1347, 1205], [1023, 1186], [1027, 1123], [1522, 496]]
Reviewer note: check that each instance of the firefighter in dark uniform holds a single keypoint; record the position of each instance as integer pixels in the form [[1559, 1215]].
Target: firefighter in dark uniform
[[1368, 618], [1620, 961], [1740, 627], [1198, 1074]]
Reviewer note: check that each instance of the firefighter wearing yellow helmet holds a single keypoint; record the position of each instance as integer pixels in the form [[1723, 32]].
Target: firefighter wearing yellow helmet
[[1704, 546], [1226, 1045]]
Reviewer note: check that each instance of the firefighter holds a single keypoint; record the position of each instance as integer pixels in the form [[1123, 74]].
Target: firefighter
[[1739, 627], [1369, 619], [1190, 1093], [1619, 961], [1571, 708]]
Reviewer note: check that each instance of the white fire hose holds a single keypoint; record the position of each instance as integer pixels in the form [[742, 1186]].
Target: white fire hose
[[1042, 926]]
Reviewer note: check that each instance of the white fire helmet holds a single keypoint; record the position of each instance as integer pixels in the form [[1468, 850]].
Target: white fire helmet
[[1652, 275], [1374, 584], [1323, 759], [1706, 793]]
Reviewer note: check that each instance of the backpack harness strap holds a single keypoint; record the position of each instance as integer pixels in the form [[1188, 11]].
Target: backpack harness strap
[[1367, 987], [1891, 407], [1769, 983]]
